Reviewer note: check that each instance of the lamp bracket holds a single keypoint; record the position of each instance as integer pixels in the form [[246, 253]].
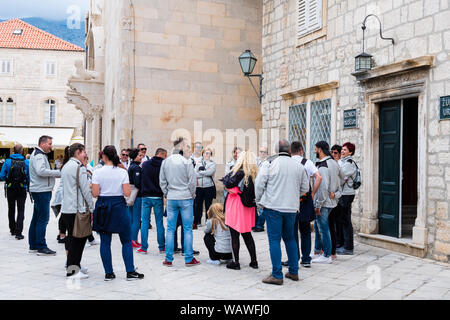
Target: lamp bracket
[[381, 33], [261, 78]]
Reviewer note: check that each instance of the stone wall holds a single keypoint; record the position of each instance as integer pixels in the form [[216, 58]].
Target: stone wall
[[29, 87], [419, 27], [186, 69]]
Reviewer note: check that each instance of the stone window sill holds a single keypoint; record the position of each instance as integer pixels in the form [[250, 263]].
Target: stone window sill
[[311, 37]]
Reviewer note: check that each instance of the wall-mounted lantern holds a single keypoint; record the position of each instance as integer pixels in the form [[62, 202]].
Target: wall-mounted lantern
[[247, 62], [363, 61]]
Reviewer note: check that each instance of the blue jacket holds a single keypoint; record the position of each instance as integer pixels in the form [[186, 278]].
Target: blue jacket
[[7, 165]]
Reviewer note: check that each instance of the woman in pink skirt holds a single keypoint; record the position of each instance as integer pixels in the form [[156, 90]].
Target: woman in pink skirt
[[240, 206]]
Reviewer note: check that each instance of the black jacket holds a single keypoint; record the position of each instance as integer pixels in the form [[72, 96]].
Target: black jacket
[[134, 173], [247, 195], [150, 178]]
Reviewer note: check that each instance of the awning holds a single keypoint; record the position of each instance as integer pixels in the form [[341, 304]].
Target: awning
[[28, 137]]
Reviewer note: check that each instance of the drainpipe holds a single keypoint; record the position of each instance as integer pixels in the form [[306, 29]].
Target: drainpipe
[[133, 98]]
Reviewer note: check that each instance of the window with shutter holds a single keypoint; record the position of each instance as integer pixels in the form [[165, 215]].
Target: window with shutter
[[50, 68], [310, 16], [9, 118], [49, 111], [6, 67]]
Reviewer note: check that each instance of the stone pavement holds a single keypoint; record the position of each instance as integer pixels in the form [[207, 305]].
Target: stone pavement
[[372, 273]]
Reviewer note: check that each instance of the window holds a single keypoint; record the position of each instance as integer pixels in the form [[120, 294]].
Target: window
[[9, 118], [49, 111], [50, 68], [309, 124], [309, 16], [6, 67]]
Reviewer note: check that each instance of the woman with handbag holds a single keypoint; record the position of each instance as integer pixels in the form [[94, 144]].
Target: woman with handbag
[[206, 188], [110, 184], [240, 206], [76, 206], [134, 201]]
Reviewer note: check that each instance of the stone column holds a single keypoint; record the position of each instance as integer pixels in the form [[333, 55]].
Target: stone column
[[98, 111], [88, 139]]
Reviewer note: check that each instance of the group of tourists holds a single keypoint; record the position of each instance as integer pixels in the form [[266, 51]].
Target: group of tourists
[[285, 191]]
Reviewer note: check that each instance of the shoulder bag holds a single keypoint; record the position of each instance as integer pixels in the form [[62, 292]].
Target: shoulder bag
[[82, 226]]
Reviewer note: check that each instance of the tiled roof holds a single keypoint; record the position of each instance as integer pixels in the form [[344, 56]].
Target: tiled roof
[[31, 37]]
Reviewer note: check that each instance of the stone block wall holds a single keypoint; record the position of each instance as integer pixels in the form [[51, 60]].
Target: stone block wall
[[419, 27]]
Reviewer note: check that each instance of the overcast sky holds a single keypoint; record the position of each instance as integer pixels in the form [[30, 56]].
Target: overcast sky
[[48, 9]]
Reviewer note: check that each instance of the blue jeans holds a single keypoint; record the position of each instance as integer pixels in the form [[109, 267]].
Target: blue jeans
[[260, 219], [186, 209], [135, 218], [38, 224], [158, 208], [281, 225], [322, 233], [127, 251]]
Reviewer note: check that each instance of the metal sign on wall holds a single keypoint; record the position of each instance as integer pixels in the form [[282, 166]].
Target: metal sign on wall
[[350, 119], [445, 108]]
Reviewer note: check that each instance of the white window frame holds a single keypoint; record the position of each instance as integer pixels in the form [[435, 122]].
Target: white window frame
[[10, 64], [48, 105], [50, 66]]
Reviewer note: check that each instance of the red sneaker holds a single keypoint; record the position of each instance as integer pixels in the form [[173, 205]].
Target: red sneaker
[[140, 250], [167, 263], [135, 244], [193, 262]]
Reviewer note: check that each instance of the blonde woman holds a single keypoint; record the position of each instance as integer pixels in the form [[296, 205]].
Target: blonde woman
[[240, 206], [217, 235]]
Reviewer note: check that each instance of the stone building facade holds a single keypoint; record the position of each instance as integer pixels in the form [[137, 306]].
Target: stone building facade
[[309, 49], [34, 69], [167, 67]]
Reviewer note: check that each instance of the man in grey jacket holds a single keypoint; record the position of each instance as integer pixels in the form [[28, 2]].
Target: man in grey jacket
[[278, 187], [75, 200], [177, 181], [325, 199], [42, 180]]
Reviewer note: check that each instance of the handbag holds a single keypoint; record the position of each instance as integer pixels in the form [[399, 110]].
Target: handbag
[[82, 225], [133, 195]]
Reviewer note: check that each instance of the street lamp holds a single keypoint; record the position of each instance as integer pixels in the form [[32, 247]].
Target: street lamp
[[247, 62], [363, 61]]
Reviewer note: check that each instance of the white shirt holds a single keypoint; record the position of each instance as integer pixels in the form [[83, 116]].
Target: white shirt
[[310, 168], [110, 180], [126, 164]]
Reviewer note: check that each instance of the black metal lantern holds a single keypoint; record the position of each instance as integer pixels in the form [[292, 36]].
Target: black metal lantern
[[363, 62], [247, 61]]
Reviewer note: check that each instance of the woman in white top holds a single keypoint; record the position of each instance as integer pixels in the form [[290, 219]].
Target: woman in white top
[[110, 184]]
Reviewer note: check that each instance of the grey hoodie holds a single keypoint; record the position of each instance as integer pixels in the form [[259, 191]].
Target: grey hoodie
[[280, 183], [329, 170], [347, 173], [68, 179], [177, 178], [42, 177]]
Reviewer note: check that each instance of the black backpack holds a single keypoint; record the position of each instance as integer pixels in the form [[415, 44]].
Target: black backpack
[[16, 176]]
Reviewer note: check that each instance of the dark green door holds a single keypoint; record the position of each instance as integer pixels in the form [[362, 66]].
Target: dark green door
[[389, 169]]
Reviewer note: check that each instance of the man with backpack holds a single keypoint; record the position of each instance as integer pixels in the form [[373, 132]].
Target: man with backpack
[[15, 173], [349, 174]]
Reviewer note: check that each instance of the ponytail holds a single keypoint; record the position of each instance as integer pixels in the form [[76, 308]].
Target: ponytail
[[111, 153]]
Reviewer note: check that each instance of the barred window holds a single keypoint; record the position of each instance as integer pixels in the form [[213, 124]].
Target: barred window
[[309, 124]]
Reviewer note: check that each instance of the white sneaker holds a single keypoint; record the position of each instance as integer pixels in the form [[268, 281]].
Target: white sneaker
[[84, 270], [315, 256], [215, 262], [93, 243], [323, 259], [79, 275]]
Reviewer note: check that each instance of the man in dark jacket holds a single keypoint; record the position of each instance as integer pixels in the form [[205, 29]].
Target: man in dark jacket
[[152, 197], [15, 173]]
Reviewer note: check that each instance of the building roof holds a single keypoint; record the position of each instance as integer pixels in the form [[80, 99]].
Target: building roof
[[18, 34]]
